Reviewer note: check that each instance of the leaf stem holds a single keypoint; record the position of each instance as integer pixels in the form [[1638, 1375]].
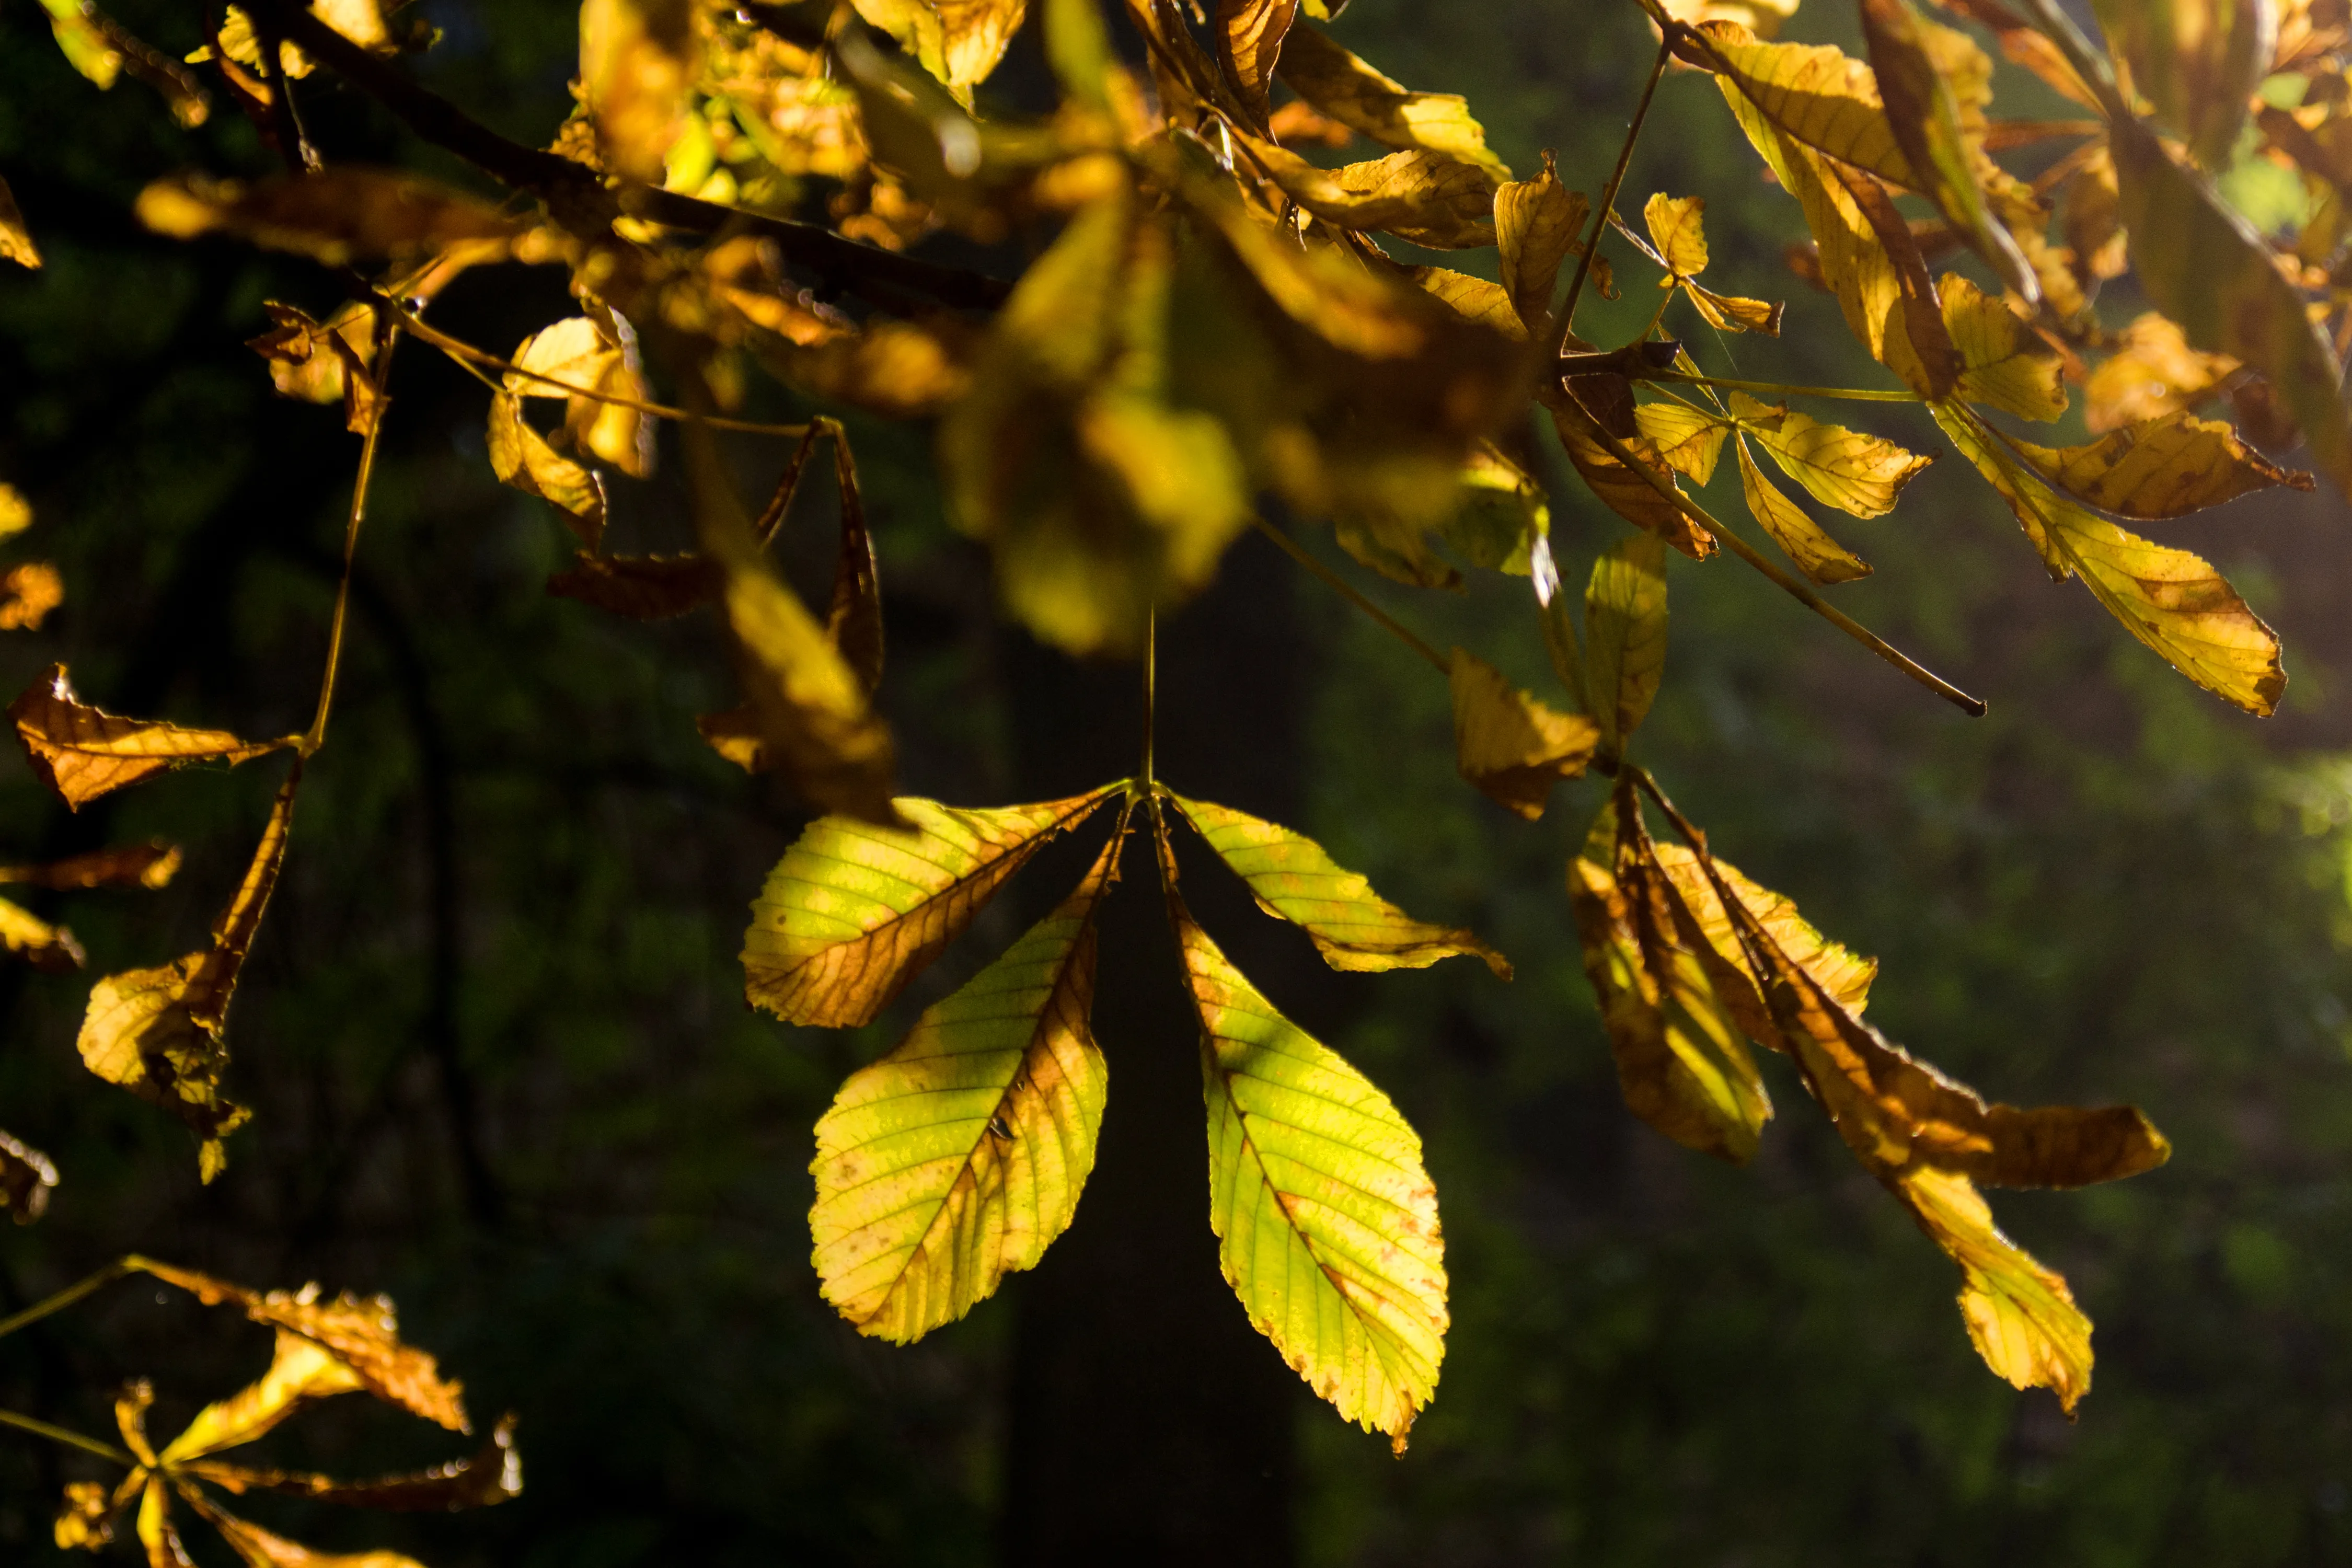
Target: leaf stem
[[1796, 588], [1850, 394], [459, 348], [316, 736], [1609, 198], [59, 1302], [70, 1439], [1347, 591]]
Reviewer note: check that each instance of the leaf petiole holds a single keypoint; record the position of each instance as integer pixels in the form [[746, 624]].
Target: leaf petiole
[[1782, 389], [69, 1438]]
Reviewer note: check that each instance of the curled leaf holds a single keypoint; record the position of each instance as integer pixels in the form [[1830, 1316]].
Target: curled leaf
[[150, 864], [82, 753], [44, 946], [1538, 226], [1510, 744], [521, 456], [1249, 42], [2161, 468], [15, 240]]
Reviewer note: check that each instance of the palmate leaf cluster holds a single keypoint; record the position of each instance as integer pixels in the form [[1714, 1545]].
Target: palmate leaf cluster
[[1211, 326]]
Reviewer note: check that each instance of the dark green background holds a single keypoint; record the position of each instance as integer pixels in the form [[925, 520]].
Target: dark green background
[[493, 1037]]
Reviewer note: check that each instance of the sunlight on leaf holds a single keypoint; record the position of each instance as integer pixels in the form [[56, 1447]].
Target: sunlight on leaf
[[15, 240], [638, 59], [82, 753], [335, 217], [1510, 746], [1348, 91], [2162, 467], [1625, 636], [26, 1180], [1538, 226], [1819, 556]]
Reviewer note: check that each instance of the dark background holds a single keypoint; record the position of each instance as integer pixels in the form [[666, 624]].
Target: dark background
[[493, 1037]]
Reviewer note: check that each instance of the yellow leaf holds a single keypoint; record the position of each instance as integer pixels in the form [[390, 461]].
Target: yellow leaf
[[300, 1370], [853, 911], [2205, 267], [1488, 304], [1326, 1220], [2152, 373], [1677, 227], [1508, 744], [82, 753], [1619, 487], [33, 590], [85, 1522], [520, 456], [1420, 195], [1249, 41], [638, 62], [149, 865], [1851, 470], [1937, 82], [1682, 1064], [1358, 97], [361, 1333], [15, 240], [1814, 92], [1844, 975], [1625, 636], [2162, 467], [1819, 556], [959, 1156], [1502, 515], [156, 1531], [1688, 439], [260, 1549], [593, 367], [2198, 63], [1539, 224], [1762, 18], [2169, 599], [490, 1475], [2004, 363], [44, 946], [2021, 1315], [1732, 313], [16, 512], [335, 217], [1293, 880], [26, 1179]]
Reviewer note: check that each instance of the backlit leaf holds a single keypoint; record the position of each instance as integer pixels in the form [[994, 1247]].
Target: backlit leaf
[[150, 865], [593, 365], [32, 590], [1619, 487], [1732, 313], [1249, 41], [300, 1370], [1426, 197], [1350, 925], [1814, 92], [85, 1522], [1510, 744], [1689, 440], [1849, 469], [82, 753], [1677, 227], [2152, 373], [959, 1156], [2207, 268], [1762, 18], [1488, 304], [1819, 556], [2004, 363], [51, 948], [853, 911], [521, 456], [1624, 636], [1348, 91], [2021, 1315], [335, 217], [26, 1180], [492, 1474], [2169, 599], [638, 59], [15, 240], [2198, 62], [2162, 467], [1326, 1220], [1538, 225], [261, 1549], [16, 512], [1501, 515]]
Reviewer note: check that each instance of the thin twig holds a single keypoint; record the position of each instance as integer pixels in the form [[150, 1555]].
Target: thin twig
[[1395, 627], [285, 115], [1796, 588], [1609, 198], [66, 1298], [70, 1439], [378, 402]]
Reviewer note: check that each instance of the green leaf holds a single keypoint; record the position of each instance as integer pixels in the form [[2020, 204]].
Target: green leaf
[[1350, 925], [853, 911], [959, 1156], [1325, 1219]]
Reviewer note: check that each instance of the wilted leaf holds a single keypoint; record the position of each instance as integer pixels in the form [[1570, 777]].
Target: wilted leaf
[[1249, 41], [299, 1369], [1733, 313], [362, 1333], [44, 946], [492, 1474], [642, 587], [2206, 268], [82, 753], [1624, 636], [593, 365], [1350, 925], [1326, 1220], [959, 1157], [1538, 225], [1849, 469], [1510, 746], [854, 619], [2163, 467], [26, 1179], [261, 1549], [2152, 373], [520, 456], [33, 590], [1618, 487], [638, 60], [336, 216], [2004, 363], [1351, 92], [853, 911], [1426, 197], [2169, 599], [15, 240], [2021, 1315], [1677, 227], [150, 865], [1681, 1062]]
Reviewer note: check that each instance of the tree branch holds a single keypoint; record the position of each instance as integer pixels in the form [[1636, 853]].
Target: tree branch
[[577, 198]]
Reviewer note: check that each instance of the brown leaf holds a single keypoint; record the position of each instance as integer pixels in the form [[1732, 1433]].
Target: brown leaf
[[33, 590], [1620, 489], [26, 1179], [1510, 744], [2161, 468], [641, 587], [150, 865], [1732, 313], [734, 734], [1249, 41], [261, 1549], [1426, 197], [492, 1474], [363, 1333], [82, 753], [336, 216], [854, 620]]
